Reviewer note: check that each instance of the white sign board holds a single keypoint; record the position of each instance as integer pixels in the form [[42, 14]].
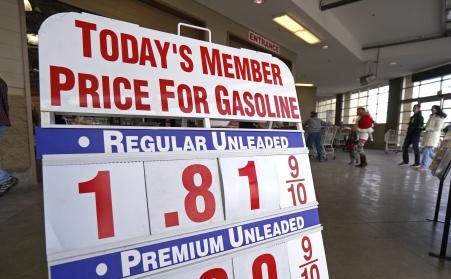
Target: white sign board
[[140, 202]]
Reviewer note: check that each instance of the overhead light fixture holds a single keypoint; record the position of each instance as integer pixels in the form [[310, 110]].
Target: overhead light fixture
[[259, 1], [32, 39], [304, 84], [325, 47], [393, 63], [308, 37], [297, 29], [288, 23], [27, 6]]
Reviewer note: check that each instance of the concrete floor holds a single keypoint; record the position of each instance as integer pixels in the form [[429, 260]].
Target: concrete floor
[[374, 222]]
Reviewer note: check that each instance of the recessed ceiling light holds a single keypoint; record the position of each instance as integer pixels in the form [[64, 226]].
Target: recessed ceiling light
[[288, 23], [325, 47], [259, 1], [32, 39], [304, 84], [27, 6], [393, 63]]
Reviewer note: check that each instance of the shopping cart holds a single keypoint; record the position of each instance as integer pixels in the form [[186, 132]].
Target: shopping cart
[[327, 143], [341, 136], [393, 140]]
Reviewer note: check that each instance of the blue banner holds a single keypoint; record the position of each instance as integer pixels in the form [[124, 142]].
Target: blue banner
[[167, 254], [93, 140]]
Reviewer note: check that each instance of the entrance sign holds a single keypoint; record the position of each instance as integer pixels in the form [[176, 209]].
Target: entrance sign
[[263, 42], [145, 202]]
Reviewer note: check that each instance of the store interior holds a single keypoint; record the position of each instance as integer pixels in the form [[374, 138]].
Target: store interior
[[385, 56]]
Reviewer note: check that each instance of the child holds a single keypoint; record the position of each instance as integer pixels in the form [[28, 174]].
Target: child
[[351, 146]]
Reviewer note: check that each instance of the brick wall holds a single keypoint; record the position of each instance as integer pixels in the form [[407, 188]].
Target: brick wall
[[14, 147], [14, 152]]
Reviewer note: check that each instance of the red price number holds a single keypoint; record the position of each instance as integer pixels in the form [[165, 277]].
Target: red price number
[[249, 171], [264, 260], [297, 187], [215, 273], [310, 268], [258, 270], [101, 187], [195, 192]]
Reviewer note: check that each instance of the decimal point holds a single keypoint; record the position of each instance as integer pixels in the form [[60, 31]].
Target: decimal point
[[171, 219]]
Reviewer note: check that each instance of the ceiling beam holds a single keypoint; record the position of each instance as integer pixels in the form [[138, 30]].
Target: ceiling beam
[[432, 37], [335, 4]]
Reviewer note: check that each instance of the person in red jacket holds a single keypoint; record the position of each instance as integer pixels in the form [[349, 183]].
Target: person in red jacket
[[365, 130]]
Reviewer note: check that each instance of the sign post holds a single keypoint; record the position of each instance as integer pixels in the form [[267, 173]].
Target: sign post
[[168, 202]]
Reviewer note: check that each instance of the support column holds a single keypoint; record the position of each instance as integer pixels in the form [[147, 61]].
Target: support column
[[394, 103]]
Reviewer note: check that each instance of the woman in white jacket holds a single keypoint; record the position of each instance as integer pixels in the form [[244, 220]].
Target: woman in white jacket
[[431, 136]]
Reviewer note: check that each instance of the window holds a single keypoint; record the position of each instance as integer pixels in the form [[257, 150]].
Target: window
[[429, 87], [375, 100], [446, 85], [447, 110], [427, 94], [326, 109]]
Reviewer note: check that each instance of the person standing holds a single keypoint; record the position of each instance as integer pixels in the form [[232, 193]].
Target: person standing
[[313, 125], [6, 181], [352, 147], [431, 137], [416, 123], [365, 130]]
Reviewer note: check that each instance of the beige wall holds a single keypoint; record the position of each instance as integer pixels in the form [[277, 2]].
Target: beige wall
[[15, 149], [128, 10], [307, 101]]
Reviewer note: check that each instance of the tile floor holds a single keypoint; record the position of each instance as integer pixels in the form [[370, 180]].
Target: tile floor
[[374, 223]]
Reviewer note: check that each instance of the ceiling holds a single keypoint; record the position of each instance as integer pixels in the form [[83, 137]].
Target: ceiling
[[346, 30]]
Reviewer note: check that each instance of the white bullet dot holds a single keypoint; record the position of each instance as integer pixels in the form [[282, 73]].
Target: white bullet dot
[[101, 269], [83, 141]]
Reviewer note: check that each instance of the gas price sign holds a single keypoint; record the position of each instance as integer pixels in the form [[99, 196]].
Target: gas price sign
[[135, 202]]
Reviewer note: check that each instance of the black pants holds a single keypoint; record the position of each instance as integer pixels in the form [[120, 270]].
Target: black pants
[[414, 141]]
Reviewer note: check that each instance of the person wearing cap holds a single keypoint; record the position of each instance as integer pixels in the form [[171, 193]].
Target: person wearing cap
[[313, 127]]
